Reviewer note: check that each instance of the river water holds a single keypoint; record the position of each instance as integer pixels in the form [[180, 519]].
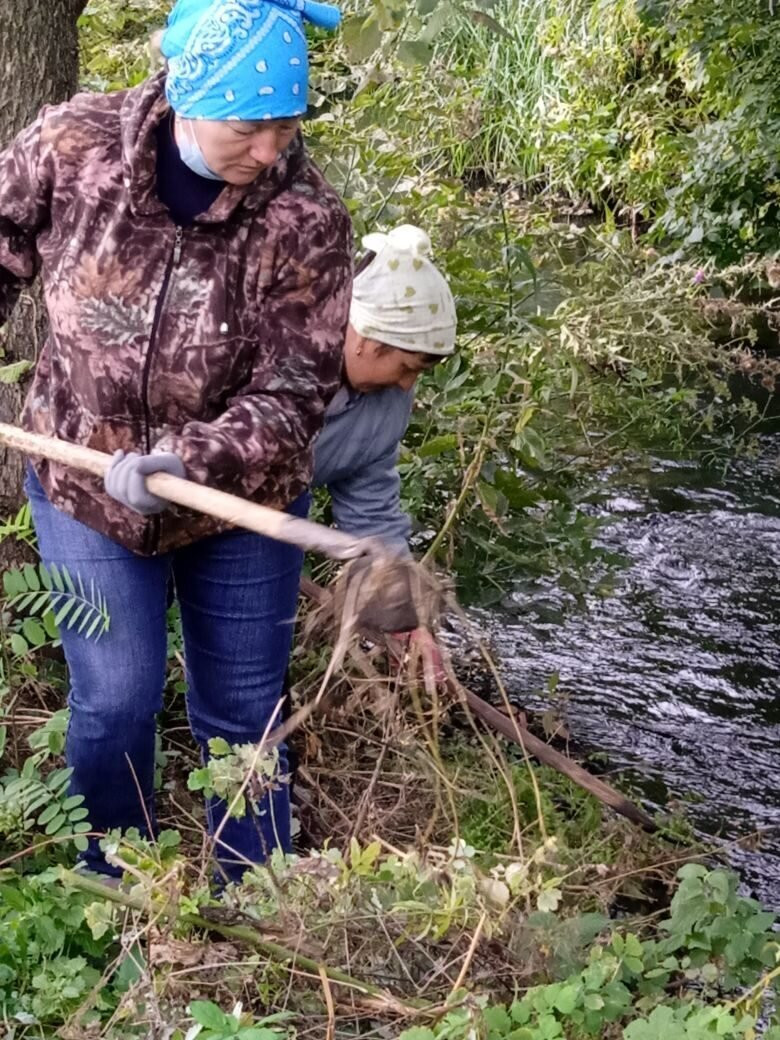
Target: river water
[[676, 673]]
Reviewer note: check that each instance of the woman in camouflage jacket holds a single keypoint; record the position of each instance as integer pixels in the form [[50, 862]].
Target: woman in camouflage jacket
[[197, 273]]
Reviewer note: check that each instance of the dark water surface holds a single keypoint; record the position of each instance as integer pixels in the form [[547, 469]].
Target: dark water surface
[[676, 674]]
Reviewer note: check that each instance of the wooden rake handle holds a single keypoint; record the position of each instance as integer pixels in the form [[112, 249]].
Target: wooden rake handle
[[305, 534]]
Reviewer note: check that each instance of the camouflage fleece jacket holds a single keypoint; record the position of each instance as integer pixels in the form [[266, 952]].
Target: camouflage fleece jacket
[[220, 342]]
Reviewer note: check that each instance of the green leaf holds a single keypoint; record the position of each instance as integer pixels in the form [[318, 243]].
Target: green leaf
[[209, 1015], [259, 1033], [49, 813], [438, 446], [31, 577], [84, 621], [199, 779], [219, 746], [566, 1001], [59, 778], [14, 583], [131, 968], [361, 36], [50, 625], [695, 235], [415, 52], [277, 1016], [13, 373], [12, 897], [438, 21], [417, 1033], [40, 602], [74, 617], [94, 626], [497, 1019], [56, 824], [517, 493], [34, 632], [549, 899], [56, 578], [18, 645], [64, 610]]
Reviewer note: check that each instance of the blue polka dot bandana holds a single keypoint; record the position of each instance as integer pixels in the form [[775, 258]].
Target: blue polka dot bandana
[[241, 59]]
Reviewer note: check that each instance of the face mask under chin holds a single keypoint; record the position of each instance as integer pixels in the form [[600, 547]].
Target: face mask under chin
[[191, 153]]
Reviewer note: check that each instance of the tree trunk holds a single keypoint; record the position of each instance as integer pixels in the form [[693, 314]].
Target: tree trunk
[[38, 65]]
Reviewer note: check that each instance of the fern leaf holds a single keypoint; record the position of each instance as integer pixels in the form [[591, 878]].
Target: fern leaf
[[63, 611], [22, 603], [74, 617], [31, 577], [93, 627], [14, 583], [40, 603], [59, 778]]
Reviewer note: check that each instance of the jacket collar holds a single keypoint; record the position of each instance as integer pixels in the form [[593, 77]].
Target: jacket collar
[[143, 110]]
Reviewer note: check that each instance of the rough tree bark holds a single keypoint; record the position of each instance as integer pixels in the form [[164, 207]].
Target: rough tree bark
[[38, 65]]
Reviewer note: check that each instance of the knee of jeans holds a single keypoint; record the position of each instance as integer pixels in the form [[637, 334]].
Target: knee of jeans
[[122, 694]]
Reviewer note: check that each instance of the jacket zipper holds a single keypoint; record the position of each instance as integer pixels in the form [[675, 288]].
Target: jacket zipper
[[153, 535]]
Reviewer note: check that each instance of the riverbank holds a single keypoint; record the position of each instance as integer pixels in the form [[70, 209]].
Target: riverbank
[[457, 891]]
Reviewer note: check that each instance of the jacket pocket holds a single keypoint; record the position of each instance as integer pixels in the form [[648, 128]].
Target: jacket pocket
[[201, 378]]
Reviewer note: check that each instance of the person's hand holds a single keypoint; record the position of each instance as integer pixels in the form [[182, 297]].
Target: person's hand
[[420, 647], [126, 479]]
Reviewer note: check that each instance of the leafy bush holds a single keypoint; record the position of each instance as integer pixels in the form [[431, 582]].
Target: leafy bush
[[649, 987], [49, 960]]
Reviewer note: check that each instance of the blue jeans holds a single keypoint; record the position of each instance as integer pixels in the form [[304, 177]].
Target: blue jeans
[[237, 594]]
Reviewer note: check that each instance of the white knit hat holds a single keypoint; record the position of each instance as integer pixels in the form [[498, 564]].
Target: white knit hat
[[401, 299]]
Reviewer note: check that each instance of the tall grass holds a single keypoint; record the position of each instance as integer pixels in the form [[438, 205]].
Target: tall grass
[[506, 66]]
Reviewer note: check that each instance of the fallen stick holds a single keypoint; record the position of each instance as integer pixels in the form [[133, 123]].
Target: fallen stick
[[247, 934], [511, 728]]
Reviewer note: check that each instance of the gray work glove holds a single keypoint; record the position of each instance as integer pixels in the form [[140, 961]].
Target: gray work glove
[[126, 479]]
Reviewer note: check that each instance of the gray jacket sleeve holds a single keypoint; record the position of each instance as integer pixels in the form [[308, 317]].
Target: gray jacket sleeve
[[368, 502]]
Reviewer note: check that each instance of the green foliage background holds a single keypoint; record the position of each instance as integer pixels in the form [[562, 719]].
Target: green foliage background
[[594, 175]]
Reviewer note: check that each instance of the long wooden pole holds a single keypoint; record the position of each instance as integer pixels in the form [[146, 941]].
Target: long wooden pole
[[273, 523]]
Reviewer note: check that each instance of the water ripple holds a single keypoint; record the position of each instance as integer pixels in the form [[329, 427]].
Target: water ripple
[[676, 674]]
